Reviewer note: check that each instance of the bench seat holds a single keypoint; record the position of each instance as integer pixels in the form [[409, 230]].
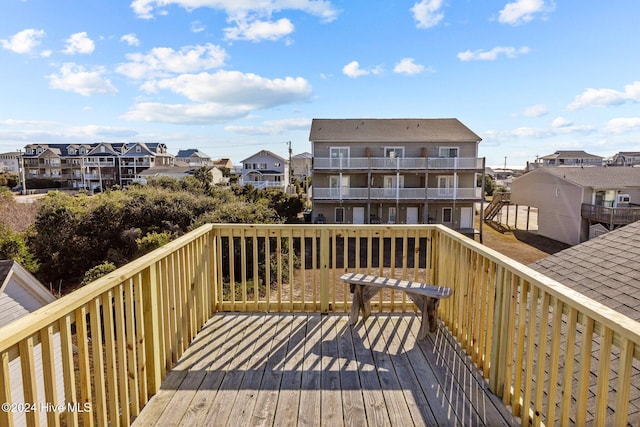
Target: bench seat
[[426, 297]]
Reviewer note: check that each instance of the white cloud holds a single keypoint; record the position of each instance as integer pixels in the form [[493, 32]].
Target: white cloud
[[197, 27], [606, 97], [131, 39], [23, 42], [535, 111], [255, 30], [161, 61], [321, 8], [236, 88], [623, 125], [561, 122], [75, 78], [521, 11], [408, 66], [79, 43], [492, 55], [427, 13], [352, 69], [218, 97], [185, 113], [271, 127]]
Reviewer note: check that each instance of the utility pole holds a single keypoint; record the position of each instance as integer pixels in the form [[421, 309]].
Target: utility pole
[[22, 173], [290, 165]]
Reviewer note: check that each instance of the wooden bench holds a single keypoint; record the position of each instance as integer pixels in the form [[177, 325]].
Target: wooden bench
[[426, 297]]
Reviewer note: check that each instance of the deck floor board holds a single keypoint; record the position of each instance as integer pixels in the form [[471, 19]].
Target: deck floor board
[[317, 370]]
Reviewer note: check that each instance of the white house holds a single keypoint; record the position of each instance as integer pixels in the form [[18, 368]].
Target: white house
[[265, 169], [21, 294]]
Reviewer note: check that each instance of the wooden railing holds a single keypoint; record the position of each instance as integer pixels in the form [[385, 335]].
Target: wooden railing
[[611, 216], [534, 339]]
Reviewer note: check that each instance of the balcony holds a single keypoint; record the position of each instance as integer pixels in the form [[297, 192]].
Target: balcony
[[611, 216], [376, 164], [349, 193], [187, 334]]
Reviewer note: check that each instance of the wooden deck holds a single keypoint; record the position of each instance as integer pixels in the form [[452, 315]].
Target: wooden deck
[[308, 369]]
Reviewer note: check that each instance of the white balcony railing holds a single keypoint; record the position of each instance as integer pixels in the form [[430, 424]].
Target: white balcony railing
[[398, 163], [346, 193]]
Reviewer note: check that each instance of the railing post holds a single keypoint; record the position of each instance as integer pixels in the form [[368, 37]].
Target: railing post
[[151, 303], [500, 333], [324, 269]]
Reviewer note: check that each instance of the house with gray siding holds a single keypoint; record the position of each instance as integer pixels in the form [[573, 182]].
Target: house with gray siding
[[396, 171], [576, 203]]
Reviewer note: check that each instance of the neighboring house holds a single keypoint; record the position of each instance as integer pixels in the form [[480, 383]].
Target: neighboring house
[[178, 172], [223, 163], [301, 165], [265, 169], [625, 158], [570, 158], [575, 203], [405, 171], [141, 156], [9, 162], [193, 157], [91, 166], [604, 269], [100, 165], [21, 294]]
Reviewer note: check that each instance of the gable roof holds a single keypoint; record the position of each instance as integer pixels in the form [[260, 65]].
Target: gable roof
[[262, 152], [603, 268], [598, 178], [405, 130], [20, 292]]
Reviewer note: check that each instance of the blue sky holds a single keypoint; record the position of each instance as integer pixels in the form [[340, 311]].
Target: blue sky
[[232, 77]]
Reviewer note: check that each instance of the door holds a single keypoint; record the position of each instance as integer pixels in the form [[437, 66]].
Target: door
[[446, 185], [358, 215], [339, 157], [339, 186], [412, 215], [466, 217]]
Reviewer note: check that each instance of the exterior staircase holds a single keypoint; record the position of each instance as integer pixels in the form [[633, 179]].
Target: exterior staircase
[[491, 211]]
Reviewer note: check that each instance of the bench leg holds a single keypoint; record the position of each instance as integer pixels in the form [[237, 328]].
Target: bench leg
[[361, 302], [429, 312]]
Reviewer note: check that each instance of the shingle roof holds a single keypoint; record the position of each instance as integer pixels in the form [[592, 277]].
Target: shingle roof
[[191, 152], [570, 155], [608, 178], [400, 130], [604, 268]]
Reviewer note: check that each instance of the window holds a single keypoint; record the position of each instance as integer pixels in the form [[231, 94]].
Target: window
[[247, 165], [276, 165], [448, 151], [138, 149], [263, 166], [82, 150], [103, 149], [339, 215], [393, 152], [447, 215], [72, 151]]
